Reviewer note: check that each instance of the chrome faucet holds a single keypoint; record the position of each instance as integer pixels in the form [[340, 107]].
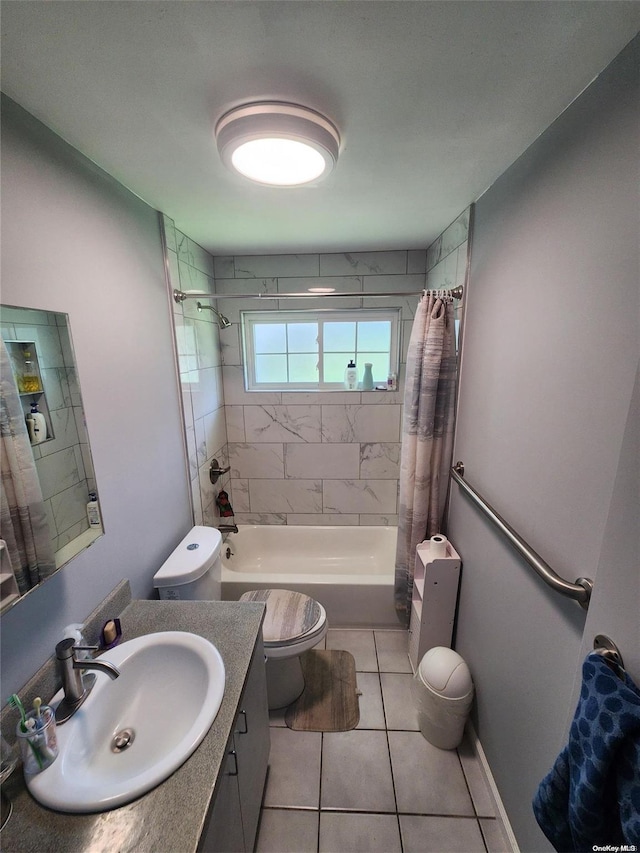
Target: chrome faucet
[[228, 528], [75, 692]]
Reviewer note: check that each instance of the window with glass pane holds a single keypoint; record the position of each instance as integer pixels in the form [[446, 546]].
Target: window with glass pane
[[309, 351]]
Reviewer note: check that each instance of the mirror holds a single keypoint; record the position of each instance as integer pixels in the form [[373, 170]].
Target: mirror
[[43, 366]]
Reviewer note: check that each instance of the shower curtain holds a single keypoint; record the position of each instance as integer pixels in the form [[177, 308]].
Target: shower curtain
[[427, 437], [23, 518]]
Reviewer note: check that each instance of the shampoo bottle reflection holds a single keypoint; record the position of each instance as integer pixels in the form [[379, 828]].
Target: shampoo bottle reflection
[[93, 511], [36, 425]]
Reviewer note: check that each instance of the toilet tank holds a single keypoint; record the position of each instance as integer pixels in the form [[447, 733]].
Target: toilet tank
[[193, 571]]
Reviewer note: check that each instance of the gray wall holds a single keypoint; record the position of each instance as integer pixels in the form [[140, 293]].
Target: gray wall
[[549, 361], [76, 241]]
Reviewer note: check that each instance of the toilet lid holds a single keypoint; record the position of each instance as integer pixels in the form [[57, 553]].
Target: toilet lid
[[290, 615]]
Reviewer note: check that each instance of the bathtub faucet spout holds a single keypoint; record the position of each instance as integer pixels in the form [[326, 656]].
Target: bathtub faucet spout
[[228, 528]]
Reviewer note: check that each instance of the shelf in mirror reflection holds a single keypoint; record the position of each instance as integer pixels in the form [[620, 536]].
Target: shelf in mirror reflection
[[39, 350]]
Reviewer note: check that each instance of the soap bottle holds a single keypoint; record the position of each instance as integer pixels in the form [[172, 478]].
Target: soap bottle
[[351, 377], [37, 425], [31, 428], [74, 632], [93, 511], [367, 378]]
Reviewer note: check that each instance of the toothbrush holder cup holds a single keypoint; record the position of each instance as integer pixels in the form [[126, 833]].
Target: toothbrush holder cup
[[39, 743]]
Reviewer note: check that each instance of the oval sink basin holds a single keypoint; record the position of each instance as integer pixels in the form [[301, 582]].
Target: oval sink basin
[[160, 708]]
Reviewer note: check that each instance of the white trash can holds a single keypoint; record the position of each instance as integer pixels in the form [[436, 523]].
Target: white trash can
[[443, 693]]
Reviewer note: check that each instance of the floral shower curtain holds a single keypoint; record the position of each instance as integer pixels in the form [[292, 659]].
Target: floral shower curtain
[[23, 518], [427, 437]]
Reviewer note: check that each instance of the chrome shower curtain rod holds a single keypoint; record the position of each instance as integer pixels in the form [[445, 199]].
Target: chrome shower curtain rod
[[179, 295]]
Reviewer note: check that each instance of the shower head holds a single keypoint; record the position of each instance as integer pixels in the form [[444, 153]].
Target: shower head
[[223, 321]]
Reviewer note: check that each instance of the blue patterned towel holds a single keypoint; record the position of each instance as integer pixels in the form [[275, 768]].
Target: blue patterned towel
[[592, 794]]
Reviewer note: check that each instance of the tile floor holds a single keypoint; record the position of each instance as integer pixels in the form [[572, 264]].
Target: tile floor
[[380, 787]]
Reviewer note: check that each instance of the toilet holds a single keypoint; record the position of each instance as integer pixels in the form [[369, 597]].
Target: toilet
[[293, 623], [193, 570]]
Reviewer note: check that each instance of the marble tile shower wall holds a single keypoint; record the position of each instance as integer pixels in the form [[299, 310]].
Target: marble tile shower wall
[[447, 255], [64, 465], [323, 457], [295, 457], [190, 267]]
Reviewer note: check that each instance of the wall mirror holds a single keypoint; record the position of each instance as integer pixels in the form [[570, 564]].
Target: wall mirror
[[50, 505]]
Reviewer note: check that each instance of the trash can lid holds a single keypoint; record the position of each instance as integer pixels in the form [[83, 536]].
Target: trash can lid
[[446, 673]]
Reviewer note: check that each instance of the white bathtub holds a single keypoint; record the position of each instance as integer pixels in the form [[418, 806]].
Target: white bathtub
[[349, 570]]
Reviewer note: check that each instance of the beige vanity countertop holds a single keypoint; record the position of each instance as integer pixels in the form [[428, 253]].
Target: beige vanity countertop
[[169, 818]]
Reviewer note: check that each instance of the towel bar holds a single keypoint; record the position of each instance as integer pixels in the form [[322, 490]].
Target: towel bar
[[606, 648], [580, 591]]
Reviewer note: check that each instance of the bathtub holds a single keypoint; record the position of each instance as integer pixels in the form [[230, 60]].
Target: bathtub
[[349, 570]]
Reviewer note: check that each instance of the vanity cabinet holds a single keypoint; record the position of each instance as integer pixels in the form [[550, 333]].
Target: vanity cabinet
[[233, 823], [212, 801], [225, 833]]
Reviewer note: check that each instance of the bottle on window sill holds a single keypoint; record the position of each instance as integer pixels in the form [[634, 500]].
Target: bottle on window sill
[[367, 378], [351, 377]]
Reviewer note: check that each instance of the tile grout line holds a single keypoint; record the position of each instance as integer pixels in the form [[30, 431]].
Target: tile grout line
[[473, 802], [320, 788], [386, 733]]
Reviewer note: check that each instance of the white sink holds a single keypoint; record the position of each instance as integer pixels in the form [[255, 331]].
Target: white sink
[[168, 694]]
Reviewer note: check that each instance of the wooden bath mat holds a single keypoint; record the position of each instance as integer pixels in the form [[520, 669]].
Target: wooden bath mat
[[329, 702]]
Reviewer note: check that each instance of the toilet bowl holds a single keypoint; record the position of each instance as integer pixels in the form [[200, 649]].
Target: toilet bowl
[[293, 624]]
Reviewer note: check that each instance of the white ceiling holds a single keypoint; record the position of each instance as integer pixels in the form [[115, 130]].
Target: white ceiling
[[434, 100]]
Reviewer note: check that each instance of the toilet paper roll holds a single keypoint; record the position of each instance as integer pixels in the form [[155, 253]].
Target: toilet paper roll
[[438, 546]]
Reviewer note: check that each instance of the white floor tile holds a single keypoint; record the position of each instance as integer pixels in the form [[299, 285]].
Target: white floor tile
[[370, 700], [359, 833], [276, 717], [428, 780], [359, 643], [482, 800], [356, 773], [399, 707], [393, 651], [287, 831], [494, 837], [440, 835], [294, 769]]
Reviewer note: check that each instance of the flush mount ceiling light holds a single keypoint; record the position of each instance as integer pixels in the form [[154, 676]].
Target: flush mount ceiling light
[[283, 145]]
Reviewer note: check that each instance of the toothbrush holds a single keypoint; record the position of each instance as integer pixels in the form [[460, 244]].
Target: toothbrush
[[39, 741], [14, 702], [48, 754], [37, 702]]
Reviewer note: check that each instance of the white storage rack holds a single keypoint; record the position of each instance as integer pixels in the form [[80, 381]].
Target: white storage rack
[[433, 604]]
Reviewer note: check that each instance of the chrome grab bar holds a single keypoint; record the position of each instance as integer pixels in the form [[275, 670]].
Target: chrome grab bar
[[580, 591]]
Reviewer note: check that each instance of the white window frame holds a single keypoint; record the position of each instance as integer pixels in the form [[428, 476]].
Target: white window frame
[[250, 318]]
